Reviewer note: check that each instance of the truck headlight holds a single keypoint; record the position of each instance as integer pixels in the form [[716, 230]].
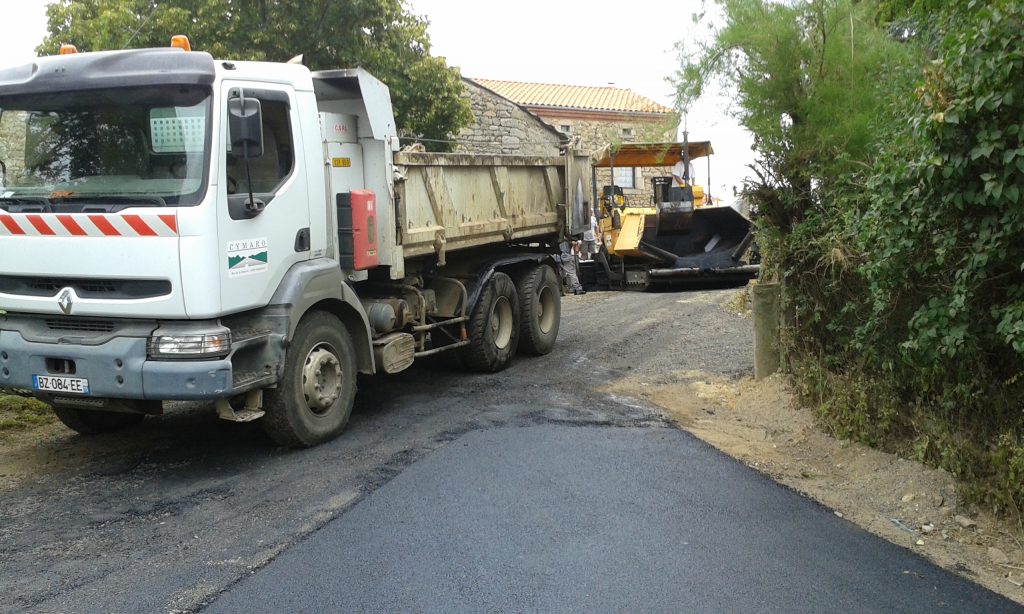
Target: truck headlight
[[215, 345]]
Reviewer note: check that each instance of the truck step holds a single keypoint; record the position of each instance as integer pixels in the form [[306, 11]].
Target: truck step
[[241, 415], [248, 337], [251, 411]]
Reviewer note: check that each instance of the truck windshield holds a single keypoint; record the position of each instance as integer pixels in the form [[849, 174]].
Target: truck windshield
[[127, 146]]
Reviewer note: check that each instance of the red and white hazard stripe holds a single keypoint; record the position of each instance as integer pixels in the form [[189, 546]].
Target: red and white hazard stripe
[[88, 225]]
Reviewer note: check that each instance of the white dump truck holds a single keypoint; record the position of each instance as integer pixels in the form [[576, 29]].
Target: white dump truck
[[174, 227]]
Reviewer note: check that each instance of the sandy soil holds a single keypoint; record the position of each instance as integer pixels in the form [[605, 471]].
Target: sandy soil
[[902, 501]]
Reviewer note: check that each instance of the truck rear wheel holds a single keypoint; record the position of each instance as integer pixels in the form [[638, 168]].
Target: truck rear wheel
[[314, 399], [92, 422], [493, 327], [540, 309]]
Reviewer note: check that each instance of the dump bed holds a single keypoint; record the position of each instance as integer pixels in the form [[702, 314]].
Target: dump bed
[[448, 202]]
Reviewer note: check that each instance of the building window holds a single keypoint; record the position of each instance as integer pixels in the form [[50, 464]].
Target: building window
[[565, 129], [625, 177], [627, 134]]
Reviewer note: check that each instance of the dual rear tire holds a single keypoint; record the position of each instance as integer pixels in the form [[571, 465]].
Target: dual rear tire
[[493, 327], [513, 316], [540, 303]]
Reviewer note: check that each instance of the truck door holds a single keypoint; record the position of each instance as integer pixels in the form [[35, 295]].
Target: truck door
[[258, 248]]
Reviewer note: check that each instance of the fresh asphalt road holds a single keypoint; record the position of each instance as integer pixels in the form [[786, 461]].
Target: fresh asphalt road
[[552, 518], [533, 489]]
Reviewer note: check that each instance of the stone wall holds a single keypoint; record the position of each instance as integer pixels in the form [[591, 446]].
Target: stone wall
[[502, 127], [12, 143], [594, 134]]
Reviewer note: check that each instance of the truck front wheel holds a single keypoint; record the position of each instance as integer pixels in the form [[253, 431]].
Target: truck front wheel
[[314, 399], [540, 307], [493, 327], [92, 422]]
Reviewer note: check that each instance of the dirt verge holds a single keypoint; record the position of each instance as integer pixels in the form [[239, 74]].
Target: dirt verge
[[27, 429]]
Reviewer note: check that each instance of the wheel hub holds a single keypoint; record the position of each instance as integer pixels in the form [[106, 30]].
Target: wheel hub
[[546, 309], [501, 323], [321, 379]]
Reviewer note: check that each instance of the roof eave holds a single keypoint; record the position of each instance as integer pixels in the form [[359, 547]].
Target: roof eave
[[609, 112]]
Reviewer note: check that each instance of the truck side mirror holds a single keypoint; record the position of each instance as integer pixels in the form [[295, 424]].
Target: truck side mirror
[[245, 123]]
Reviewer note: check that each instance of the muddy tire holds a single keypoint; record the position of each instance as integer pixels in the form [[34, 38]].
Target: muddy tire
[[313, 401], [493, 327], [91, 422], [540, 310]]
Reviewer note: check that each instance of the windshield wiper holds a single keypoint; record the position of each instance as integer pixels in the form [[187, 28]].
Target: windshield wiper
[[113, 199], [21, 204]]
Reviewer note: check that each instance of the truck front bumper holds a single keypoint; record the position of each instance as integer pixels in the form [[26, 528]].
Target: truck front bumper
[[119, 368]]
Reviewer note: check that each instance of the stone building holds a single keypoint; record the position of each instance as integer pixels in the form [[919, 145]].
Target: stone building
[[500, 126], [12, 143], [594, 117]]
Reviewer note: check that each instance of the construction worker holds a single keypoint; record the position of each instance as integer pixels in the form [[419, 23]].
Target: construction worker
[[590, 239], [685, 180], [679, 174], [567, 261]]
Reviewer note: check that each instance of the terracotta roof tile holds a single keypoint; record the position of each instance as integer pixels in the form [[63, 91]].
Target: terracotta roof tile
[[573, 96]]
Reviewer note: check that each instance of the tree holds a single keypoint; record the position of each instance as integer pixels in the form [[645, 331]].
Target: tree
[[379, 35], [805, 74]]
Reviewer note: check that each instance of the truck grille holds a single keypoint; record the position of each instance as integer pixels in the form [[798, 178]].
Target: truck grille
[[80, 325], [85, 288]]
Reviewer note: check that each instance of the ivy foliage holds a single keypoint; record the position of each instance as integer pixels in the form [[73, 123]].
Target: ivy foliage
[[382, 36], [954, 217], [891, 190]]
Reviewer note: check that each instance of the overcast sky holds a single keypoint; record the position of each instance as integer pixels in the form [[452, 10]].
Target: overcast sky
[[579, 42]]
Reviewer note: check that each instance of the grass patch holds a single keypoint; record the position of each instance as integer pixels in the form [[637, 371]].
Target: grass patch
[[740, 302], [18, 413], [981, 443]]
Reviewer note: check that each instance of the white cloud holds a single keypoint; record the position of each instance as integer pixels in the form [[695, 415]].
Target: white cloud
[[24, 26]]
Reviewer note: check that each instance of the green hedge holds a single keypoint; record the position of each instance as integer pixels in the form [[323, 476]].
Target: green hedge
[[923, 328], [898, 228]]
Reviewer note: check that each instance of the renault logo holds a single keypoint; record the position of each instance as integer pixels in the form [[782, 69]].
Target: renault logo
[[65, 301]]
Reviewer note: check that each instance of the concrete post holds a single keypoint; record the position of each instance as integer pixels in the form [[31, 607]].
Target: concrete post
[[767, 306]]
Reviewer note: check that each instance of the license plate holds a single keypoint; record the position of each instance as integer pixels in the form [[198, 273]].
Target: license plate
[[70, 385]]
